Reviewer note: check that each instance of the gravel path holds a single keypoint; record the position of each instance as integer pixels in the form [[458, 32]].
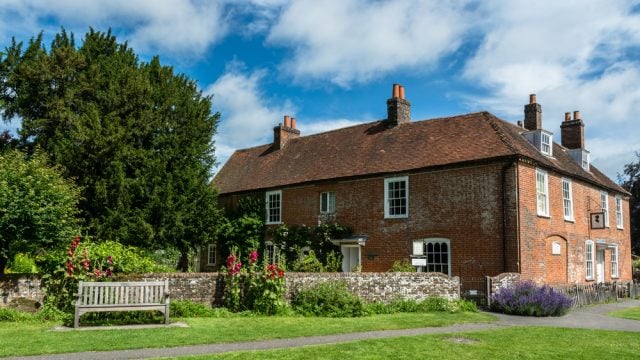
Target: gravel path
[[592, 317]]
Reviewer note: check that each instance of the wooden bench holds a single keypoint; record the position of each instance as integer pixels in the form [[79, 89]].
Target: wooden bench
[[122, 296]]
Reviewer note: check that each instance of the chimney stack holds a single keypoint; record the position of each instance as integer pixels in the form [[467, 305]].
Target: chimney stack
[[398, 108], [572, 131], [282, 134], [533, 114]]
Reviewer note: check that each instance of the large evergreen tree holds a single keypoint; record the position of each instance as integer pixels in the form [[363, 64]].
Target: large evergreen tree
[[136, 137], [631, 181]]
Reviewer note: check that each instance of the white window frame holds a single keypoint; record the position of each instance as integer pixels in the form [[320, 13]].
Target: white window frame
[[567, 199], [542, 192], [585, 160], [604, 204], [589, 259], [212, 248], [546, 144], [619, 218], [615, 273], [387, 199], [330, 202], [438, 241], [269, 204]]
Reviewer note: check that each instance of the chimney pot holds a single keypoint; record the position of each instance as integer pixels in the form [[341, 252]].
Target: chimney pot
[[293, 123], [287, 121], [567, 116], [396, 91], [576, 115], [398, 108], [572, 131], [401, 92], [533, 114]]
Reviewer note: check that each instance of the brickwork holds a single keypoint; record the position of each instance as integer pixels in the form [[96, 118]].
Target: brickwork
[[463, 205], [537, 233]]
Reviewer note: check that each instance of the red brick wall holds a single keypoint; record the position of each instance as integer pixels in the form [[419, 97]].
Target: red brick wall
[[537, 233], [463, 205]]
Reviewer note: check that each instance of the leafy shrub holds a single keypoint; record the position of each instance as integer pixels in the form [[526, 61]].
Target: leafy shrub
[[11, 315], [308, 263], [431, 304], [23, 264], [403, 265], [328, 299], [333, 262], [527, 298], [185, 308]]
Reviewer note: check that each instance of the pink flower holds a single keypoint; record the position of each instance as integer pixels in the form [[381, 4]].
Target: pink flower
[[98, 272], [253, 257], [109, 260]]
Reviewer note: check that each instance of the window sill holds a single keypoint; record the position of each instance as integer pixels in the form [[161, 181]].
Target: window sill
[[273, 223], [570, 220], [620, 228], [544, 216], [396, 217]]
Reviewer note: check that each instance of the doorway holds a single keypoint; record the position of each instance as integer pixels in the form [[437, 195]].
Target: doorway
[[600, 266], [350, 258]]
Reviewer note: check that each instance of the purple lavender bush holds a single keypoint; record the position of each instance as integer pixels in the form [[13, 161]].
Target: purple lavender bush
[[527, 298]]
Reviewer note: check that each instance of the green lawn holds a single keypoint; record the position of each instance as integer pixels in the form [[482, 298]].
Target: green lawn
[[30, 338], [630, 313], [509, 343]]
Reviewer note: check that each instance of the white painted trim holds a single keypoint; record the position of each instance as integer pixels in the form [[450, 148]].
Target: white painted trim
[[386, 197]]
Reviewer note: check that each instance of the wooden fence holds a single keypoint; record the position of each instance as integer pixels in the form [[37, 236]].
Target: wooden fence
[[585, 294]]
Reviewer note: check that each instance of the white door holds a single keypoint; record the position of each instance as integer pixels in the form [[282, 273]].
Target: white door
[[600, 266], [350, 257]]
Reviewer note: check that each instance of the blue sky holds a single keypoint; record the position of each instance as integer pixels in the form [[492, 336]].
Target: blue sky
[[332, 63]]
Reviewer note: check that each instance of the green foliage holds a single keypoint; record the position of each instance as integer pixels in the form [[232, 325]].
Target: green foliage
[[292, 239], [23, 264], [38, 206], [190, 309], [137, 138], [403, 265], [428, 305], [244, 232], [11, 315], [333, 262], [308, 263], [630, 180], [328, 299]]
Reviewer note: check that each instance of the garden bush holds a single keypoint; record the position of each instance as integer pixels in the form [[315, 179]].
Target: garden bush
[[328, 299], [308, 263], [22, 264], [431, 304], [403, 265], [527, 298], [190, 309]]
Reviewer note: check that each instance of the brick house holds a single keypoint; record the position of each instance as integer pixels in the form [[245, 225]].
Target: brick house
[[468, 195]]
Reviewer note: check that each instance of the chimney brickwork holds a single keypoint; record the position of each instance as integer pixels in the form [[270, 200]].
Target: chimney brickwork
[[572, 131], [398, 108], [283, 133], [532, 114]]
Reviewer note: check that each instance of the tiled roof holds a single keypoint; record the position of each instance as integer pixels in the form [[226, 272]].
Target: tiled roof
[[374, 148]]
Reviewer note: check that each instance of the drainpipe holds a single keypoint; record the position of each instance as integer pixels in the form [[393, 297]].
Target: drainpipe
[[503, 175]]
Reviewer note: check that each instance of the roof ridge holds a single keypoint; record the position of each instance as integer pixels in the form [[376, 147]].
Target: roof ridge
[[499, 132]]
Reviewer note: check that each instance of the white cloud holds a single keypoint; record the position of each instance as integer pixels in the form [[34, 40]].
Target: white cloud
[[576, 55], [319, 126], [354, 41], [179, 28], [247, 116]]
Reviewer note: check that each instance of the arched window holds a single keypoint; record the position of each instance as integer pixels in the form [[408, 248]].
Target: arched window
[[438, 254]]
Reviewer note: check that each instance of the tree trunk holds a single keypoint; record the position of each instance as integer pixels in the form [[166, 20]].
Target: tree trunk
[[3, 264], [183, 263]]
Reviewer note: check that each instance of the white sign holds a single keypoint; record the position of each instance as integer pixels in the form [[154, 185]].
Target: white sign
[[419, 262], [556, 249], [418, 247]]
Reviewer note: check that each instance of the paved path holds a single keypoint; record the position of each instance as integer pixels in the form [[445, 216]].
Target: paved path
[[593, 317]]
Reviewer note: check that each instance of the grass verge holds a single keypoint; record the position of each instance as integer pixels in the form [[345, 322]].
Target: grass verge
[[630, 313], [31, 339], [510, 343]]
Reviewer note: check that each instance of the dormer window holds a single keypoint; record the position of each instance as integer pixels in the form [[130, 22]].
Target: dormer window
[[581, 156], [542, 140], [545, 143]]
